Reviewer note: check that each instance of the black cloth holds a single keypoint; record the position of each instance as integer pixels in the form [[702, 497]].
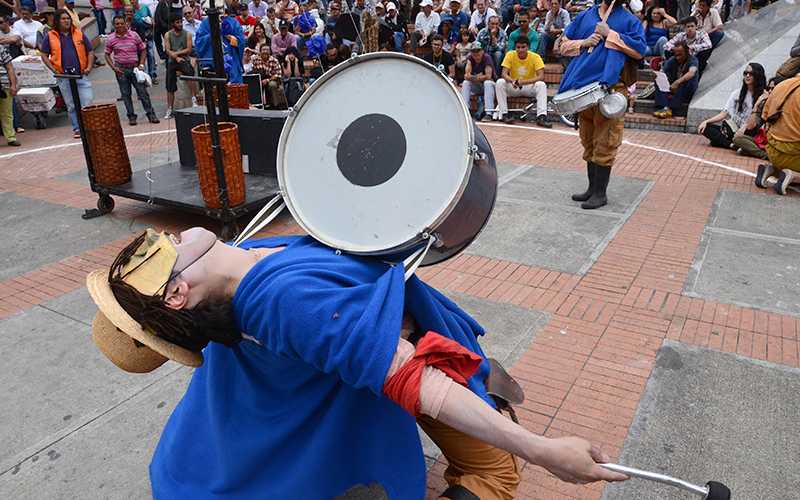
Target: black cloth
[[348, 26], [172, 73], [398, 25], [445, 59], [713, 133], [328, 63]]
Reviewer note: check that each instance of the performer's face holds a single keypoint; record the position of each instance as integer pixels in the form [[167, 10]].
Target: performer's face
[[191, 246]]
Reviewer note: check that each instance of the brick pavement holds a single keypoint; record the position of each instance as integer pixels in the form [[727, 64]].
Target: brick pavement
[[586, 370]]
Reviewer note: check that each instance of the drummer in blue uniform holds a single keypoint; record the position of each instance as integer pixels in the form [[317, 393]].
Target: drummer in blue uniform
[[605, 52]]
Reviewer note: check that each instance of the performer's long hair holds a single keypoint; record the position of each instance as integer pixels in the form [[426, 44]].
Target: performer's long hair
[[759, 84], [191, 329]]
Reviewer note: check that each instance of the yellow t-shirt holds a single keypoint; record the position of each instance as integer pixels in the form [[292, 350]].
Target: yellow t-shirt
[[522, 69]]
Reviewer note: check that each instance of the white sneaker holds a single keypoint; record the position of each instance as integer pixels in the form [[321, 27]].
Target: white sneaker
[[194, 102], [168, 115]]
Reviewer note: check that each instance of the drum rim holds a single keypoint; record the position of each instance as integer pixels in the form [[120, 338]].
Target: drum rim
[[295, 111]]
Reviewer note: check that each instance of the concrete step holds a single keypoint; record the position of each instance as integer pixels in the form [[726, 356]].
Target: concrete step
[[646, 106], [650, 122]]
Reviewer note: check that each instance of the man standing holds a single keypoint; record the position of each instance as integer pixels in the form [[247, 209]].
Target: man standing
[[142, 24], [124, 52], [66, 50], [682, 72], [523, 75], [525, 31], [8, 81], [426, 24], [439, 58], [27, 27], [555, 23], [478, 75], [612, 63], [178, 46], [494, 41]]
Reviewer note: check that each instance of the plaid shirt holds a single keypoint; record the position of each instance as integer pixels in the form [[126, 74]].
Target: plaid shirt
[[700, 42], [271, 70], [5, 58]]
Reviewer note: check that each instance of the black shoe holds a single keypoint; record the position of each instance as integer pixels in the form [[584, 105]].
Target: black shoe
[[590, 169], [785, 178], [14, 143], [541, 121], [132, 121], [764, 171], [153, 118], [598, 198]]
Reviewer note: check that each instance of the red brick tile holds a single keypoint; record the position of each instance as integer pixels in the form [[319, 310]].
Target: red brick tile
[[760, 346]]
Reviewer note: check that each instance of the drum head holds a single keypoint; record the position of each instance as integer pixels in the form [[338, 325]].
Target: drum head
[[377, 152]]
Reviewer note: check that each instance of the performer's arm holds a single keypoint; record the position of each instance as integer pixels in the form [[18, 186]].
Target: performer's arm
[[572, 48]]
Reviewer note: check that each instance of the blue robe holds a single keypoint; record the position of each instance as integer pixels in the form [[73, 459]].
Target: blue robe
[[233, 56], [602, 64], [300, 414]]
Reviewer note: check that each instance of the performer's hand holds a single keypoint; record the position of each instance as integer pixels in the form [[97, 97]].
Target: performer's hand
[[592, 40], [575, 460], [602, 28]]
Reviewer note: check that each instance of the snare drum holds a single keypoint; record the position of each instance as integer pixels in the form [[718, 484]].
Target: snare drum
[[576, 100], [376, 172]]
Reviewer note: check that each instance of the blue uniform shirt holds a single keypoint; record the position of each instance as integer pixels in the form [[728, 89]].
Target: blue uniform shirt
[[298, 412], [602, 64]]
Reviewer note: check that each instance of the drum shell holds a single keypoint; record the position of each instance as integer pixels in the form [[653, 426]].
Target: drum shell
[[584, 98], [473, 209]]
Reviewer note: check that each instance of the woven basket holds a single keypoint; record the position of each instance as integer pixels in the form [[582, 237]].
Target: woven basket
[[112, 166], [231, 161], [238, 96]]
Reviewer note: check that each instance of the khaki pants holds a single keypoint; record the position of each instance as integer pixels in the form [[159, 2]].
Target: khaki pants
[[7, 117], [488, 472], [783, 155], [600, 136]]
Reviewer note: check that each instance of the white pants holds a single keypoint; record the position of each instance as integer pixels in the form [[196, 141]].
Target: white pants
[[469, 89], [506, 89]]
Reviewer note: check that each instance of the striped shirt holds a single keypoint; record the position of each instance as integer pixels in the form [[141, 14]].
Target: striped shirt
[[125, 48]]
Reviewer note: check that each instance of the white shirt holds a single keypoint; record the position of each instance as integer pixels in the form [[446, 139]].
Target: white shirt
[[732, 108], [27, 30], [191, 27], [477, 18], [427, 24]]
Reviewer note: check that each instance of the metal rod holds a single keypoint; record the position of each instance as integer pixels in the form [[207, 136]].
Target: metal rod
[[76, 102], [216, 148], [702, 491], [219, 61]]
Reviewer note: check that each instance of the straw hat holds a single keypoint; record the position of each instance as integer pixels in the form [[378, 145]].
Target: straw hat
[[114, 332]]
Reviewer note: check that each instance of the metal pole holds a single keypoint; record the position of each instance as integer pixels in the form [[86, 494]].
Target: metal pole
[[76, 102], [219, 62]]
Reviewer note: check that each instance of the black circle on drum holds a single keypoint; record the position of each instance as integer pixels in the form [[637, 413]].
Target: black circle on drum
[[371, 150]]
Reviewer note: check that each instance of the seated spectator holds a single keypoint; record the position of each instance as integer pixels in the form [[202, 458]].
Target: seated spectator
[[425, 26], [246, 20], [449, 37], [266, 65], [698, 42], [537, 18], [494, 41], [721, 128], [26, 27], [287, 9], [752, 141], [782, 113], [461, 52], [511, 16], [456, 16], [293, 74], [197, 9], [397, 23], [526, 31], [271, 23], [331, 57], [683, 74], [480, 16], [523, 75], [190, 24], [283, 40], [348, 27], [656, 30], [439, 58], [575, 7], [479, 78], [334, 10], [256, 39], [257, 9], [554, 25], [359, 8], [708, 20]]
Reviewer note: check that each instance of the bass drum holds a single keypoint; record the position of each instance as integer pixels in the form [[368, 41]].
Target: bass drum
[[376, 172]]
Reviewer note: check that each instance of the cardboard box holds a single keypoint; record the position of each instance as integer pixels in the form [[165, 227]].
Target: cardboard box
[[36, 99], [31, 72]]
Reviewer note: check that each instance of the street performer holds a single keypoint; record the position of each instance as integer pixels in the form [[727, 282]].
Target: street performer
[[607, 40], [314, 368]]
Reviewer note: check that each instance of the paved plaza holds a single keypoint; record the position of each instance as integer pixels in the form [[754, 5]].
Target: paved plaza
[[663, 326]]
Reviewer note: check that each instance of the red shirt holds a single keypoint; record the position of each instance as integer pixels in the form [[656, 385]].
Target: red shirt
[[248, 21]]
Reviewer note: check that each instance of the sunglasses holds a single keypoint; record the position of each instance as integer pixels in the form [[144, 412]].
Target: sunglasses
[[747, 73]]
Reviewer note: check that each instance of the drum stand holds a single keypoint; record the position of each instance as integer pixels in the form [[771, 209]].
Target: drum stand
[[711, 491]]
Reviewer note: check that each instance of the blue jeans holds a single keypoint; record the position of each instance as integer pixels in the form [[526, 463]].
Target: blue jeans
[[544, 41], [127, 80], [101, 20], [679, 101], [152, 70], [399, 40], [716, 37], [84, 93], [657, 49]]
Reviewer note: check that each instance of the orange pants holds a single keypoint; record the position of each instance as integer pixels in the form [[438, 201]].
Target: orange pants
[[600, 136], [486, 471]]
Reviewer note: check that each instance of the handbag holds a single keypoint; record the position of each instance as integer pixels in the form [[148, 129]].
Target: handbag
[[728, 129]]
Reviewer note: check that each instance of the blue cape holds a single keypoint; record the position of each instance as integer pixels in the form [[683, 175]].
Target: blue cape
[[298, 411], [601, 65], [233, 55]]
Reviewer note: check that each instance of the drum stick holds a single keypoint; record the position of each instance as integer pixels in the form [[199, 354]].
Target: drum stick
[[604, 17]]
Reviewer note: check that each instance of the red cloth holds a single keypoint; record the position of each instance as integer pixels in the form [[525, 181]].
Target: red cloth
[[452, 358]]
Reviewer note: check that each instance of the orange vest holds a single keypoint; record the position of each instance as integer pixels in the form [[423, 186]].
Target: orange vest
[[55, 49]]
